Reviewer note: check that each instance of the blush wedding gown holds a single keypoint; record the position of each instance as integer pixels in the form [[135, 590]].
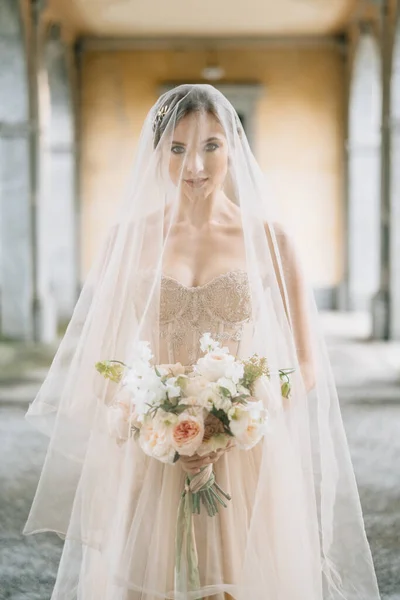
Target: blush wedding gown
[[285, 566]]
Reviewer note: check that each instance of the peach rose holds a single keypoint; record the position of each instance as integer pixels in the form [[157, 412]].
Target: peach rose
[[187, 434], [175, 369]]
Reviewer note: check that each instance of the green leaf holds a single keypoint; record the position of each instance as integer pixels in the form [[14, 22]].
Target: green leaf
[[225, 392]]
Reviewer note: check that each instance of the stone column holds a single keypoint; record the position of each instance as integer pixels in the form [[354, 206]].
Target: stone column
[[16, 131], [395, 191], [27, 298], [364, 174], [60, 149], [381, 301]]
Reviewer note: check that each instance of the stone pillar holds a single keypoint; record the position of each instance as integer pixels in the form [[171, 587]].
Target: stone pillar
[[16, 131], [395, 191], [27, 299], [60, 149], [45, 314], [381, 301], [364, 175]]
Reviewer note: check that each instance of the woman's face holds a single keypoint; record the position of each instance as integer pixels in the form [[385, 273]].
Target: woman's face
[[198, 155]]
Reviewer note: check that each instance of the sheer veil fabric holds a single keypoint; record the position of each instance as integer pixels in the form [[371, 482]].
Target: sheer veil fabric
[[294, 528]]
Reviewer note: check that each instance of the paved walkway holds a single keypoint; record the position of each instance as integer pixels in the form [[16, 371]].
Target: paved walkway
[[368, 379]]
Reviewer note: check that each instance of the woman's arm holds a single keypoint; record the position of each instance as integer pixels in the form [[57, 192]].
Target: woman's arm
[[294, 296]]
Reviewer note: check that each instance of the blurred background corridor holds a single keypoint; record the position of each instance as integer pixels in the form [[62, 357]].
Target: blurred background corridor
[[316, 84]]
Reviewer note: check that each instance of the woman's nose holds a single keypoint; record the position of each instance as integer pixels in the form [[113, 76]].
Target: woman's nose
[[194, 163]]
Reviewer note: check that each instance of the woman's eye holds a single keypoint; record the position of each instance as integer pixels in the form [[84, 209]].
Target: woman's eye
[[177, 149], [211, 147]]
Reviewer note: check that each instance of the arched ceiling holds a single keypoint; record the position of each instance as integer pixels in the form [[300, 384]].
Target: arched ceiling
[[139, 18]]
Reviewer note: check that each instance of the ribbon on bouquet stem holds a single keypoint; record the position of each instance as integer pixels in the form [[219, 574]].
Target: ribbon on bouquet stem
[[201, 487]]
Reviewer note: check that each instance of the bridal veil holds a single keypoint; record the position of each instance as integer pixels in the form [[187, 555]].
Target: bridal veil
[[294, 528]]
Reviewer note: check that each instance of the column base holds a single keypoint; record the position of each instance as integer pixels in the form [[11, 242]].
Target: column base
[[380, 309]]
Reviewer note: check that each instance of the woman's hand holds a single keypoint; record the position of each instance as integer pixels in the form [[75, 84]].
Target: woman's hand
[[193, 464]]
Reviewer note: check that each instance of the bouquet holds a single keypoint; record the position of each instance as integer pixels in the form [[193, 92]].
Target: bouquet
[[173, 411]]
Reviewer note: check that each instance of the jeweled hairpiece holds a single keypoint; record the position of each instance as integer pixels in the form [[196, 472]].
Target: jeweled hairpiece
[[160, 115]]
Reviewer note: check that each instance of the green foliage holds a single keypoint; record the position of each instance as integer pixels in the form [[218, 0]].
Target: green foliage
[[223, 417], [111, 369], [254, 368]]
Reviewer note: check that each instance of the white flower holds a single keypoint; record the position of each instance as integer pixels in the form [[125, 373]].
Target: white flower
[[142, 402], [117, 421], [227, 384], [155, 437], [214, 364], [192, 386], [173, 390], [141, 352], [235, 371], [146, 388], [248, 424], [207, 343], [223, 403], [162, 371], [209, 396]]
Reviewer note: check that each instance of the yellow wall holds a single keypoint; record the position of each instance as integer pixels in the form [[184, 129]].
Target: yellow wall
[[299, 136]]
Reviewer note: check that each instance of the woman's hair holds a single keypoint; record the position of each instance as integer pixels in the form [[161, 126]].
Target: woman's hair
[[183, 101]]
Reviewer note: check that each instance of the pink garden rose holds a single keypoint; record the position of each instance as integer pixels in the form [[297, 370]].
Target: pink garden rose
[[187, 434]]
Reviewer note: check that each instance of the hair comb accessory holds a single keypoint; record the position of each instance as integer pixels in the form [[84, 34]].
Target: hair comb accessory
[[160, 116]]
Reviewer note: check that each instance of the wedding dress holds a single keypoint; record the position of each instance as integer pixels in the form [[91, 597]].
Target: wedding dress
[[288, 566], [293, 529]]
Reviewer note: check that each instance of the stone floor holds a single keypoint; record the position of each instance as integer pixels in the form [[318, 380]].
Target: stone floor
[[368, 379]]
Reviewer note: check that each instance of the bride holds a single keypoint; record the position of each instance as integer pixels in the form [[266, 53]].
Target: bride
[[195, 248]]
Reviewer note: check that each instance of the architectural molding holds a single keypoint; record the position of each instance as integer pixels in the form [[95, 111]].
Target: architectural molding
[[94, 44]]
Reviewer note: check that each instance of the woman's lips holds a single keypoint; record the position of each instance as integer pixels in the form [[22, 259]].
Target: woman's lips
[[196, 183]]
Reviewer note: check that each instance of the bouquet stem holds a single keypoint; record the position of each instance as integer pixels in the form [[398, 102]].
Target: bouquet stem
[[201, 487]]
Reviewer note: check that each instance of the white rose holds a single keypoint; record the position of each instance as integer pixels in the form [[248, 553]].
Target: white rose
[[155, 438], [248, 424], [193, 386], [214, 365]]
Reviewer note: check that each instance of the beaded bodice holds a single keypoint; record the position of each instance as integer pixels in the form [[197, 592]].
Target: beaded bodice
[[222, 306]]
